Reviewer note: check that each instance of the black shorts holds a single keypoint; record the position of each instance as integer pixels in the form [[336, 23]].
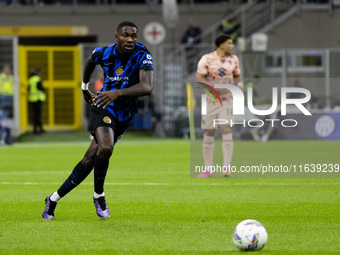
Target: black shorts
[[103, 117]]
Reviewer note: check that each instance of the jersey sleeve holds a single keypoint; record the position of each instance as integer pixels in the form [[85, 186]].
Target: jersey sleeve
[[237, 70], [146, 62], [97, 55], [202, 66]]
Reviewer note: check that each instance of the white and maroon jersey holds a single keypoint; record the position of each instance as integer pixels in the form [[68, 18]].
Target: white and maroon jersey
[[219, 70], [215, 67]]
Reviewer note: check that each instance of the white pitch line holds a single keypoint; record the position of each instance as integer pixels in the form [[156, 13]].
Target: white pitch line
[[87, 143], [35, 173], [177, 184], [68, 171]]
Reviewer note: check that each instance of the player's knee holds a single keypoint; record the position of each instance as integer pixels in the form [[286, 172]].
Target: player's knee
[[209, 132], [105, 151], [87, 162], [226, 130]]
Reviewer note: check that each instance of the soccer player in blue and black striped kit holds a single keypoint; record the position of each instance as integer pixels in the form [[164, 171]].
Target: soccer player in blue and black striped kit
[[128, 71]]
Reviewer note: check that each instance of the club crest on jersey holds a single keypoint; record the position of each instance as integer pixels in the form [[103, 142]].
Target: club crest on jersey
[[107, 120], [119, 71]]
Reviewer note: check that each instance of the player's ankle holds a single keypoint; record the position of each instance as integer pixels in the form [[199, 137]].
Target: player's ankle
[[55, 197], [96, 195]]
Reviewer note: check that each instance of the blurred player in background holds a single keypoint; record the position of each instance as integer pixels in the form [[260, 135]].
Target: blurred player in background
[[219, 66], [36, 97], [6, 81], [6, 90], [98, 85], [4, 128], [128, 71]]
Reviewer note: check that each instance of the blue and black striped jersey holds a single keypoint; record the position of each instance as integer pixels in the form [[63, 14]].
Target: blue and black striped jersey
[[122, 72]]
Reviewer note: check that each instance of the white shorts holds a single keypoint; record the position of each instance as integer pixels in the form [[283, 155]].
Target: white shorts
[[216, 111]]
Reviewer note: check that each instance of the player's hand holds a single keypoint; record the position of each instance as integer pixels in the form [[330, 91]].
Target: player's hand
[[88, 96], [105, 98]]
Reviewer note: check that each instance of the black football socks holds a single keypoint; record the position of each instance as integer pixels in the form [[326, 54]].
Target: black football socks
[[78, 174], [100, 169]]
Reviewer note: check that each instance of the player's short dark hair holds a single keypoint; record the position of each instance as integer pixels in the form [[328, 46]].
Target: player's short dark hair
[[221, 39], [126, 23], [37, 70]]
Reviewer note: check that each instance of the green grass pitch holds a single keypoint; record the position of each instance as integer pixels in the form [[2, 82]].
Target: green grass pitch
[[156, 208]]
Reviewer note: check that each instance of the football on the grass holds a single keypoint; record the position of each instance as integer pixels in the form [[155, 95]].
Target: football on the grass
[[250, 235]]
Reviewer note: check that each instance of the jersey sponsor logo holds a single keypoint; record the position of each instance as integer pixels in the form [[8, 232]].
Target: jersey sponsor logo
[[222, 72], [118, 78], [107, 120], [145, 62]]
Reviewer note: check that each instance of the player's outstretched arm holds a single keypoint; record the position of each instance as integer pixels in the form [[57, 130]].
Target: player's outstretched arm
[[238, 81], [88, 70], [143, 88], [201, 78]]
